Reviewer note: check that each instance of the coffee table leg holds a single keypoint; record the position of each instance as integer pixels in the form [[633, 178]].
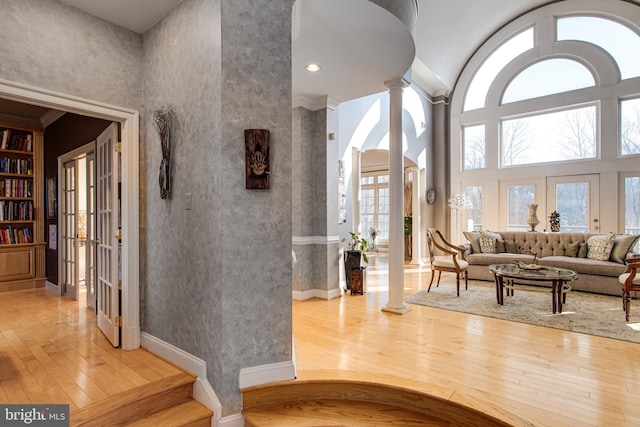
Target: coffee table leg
[[499, 289], [559, 289]]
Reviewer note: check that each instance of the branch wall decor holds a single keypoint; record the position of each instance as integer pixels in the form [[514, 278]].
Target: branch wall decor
[[256, 143], [163, 120]]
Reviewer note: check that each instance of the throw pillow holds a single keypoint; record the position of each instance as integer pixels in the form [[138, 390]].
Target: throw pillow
[[511, 246], [599, 247], [582, 250], [622, 246], [488, 242], [571, 249], [488, 245], [500, 246], [474, 238]]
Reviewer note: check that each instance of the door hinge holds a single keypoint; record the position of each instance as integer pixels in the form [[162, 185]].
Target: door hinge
[[118, 234], [118, 321], [117, 147]]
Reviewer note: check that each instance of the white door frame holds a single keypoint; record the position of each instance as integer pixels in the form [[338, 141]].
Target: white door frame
[[130, 138]]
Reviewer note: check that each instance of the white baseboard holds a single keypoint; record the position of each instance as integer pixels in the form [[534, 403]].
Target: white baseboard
[[235, 420], [202, 390], [316, 293], [265, 374]]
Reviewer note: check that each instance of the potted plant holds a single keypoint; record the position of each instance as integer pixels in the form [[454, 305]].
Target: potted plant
[[354, 255]]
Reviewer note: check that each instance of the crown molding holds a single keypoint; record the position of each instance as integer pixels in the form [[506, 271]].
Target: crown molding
[[315, 104], [51, 116]]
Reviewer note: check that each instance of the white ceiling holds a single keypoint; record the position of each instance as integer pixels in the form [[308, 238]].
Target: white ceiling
[[344, 34], [358, 45]]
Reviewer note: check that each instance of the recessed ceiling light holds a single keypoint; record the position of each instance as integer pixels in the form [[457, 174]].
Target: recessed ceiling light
[[312, 67]]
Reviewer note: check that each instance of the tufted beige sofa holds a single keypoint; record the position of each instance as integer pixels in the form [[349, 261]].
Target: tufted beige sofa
[[593, 275]]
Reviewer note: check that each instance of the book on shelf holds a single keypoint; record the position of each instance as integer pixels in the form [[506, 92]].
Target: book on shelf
[[12, 236], [16, 140]]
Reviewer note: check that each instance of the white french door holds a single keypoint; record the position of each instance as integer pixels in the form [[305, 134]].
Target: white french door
[[69, 233], [91, 240], [577, 199], [107, 219]]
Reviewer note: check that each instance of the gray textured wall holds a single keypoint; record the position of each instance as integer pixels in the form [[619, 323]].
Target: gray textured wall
[[183, 283], [219, 275], [255, 238], [217, 278], [53, 46]]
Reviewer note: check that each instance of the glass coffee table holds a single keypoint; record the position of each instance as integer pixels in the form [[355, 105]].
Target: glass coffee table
[[506, 276]]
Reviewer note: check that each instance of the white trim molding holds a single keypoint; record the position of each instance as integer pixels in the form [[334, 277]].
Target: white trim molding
[[314, 240], [129, 120], [316, 293], [265, 374], [202, 390]]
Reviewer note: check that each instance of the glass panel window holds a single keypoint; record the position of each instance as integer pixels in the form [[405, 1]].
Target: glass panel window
[[630, 127], [546, 78], [519, 197], [551, 137], [618, 40], [474, 207], [572, 203], [383, 212], [383, 179], [366, 180], [632, 207], [479, 87], [474, 147]]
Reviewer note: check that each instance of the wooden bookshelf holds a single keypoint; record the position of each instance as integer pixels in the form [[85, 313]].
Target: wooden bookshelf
[[22, 213]]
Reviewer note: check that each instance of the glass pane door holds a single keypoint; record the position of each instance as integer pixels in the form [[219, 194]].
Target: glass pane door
[[577, 200]]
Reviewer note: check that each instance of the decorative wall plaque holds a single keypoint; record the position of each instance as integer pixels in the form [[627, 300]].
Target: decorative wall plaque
[[256, 142]]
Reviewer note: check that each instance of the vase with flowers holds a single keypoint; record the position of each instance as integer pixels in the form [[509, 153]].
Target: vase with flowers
[[373, 237], [354, 255]]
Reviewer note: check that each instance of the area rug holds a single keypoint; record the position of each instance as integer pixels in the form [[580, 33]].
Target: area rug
[[583, 312]]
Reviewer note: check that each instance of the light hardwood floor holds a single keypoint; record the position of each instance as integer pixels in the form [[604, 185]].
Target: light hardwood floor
[[51, 351], [552, 377]]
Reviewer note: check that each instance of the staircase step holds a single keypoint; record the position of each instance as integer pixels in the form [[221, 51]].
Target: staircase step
[[136, 403], [190, 413], [337, 413]]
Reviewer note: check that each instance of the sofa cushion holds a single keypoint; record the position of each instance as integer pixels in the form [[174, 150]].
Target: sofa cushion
[[600, 246], [488, 259], [583, 248], [511, 247], [474, 238], [622, 246], [584, 265], [571, 249]]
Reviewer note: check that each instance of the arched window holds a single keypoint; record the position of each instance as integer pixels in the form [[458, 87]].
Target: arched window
[[554, 93]]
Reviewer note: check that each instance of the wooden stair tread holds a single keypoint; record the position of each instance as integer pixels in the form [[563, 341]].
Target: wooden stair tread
[[337, 413], [190, 413], [136, 402]]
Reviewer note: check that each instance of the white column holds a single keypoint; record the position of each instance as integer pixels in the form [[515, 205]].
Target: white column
[[355, 189], [416, 219], [396, 302]]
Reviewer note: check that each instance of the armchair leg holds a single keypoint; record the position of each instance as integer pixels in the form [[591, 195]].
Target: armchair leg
[[466, 280], [626, 304], [457, 285], [433, 273], [439, 274]]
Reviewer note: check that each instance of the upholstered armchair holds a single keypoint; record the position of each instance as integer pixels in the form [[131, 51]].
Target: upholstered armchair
[[452, 261], [630, 281]]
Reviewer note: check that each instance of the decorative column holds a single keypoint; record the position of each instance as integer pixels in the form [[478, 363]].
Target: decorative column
[[416, 220], [355, 189], [396, 302]]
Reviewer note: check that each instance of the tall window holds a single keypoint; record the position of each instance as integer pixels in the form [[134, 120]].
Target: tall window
[[556, 92], [630, 126], [374, 204], [632, 206], [519, 197], [474, 156], [474, 208]]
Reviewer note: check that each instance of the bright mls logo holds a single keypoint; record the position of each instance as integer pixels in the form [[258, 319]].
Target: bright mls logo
[[34, 415]]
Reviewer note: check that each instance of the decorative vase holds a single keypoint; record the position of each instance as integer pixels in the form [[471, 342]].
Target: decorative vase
[[352, 260], [533, 218]]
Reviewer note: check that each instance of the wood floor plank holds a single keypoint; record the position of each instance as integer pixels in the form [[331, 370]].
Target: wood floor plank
[[554, 377]]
